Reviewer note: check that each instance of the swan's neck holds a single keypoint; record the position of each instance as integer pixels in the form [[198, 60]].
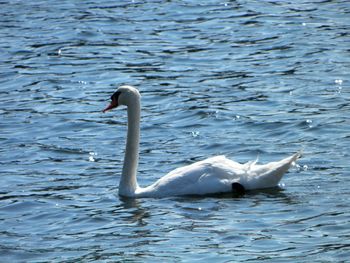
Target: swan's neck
[[128, 182]]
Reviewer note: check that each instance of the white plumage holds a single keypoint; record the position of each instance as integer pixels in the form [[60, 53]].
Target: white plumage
[[210, 176]]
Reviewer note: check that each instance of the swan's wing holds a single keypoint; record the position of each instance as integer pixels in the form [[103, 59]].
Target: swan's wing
[[212, 175], [216, 175]]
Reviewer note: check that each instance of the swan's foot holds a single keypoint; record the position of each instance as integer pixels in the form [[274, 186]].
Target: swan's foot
[[237, 190]]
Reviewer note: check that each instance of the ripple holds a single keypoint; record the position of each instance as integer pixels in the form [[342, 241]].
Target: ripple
[[244, 79]]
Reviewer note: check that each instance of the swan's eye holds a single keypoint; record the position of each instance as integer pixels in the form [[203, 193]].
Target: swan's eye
[[115, 96]]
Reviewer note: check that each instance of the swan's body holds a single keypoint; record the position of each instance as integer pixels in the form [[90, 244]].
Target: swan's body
[[210, 176]]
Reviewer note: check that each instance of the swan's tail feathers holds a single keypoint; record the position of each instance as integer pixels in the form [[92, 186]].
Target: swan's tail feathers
[[295, 157], [299, 153], [280, 167], [270, 174]]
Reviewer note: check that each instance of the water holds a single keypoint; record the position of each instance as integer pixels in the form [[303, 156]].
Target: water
[[240, 78]]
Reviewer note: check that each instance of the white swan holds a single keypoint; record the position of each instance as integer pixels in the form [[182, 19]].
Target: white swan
[[213, 175]]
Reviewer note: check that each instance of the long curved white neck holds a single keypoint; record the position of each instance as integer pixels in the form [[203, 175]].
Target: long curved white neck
[[128, 182]]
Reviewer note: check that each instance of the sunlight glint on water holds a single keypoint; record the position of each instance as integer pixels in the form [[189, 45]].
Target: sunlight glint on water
[[246, 79]]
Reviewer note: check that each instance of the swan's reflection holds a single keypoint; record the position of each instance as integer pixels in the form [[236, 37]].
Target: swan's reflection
[[133, 211], [139, 211]]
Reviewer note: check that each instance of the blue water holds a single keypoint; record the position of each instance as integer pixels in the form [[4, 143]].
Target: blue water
[[240, 78]]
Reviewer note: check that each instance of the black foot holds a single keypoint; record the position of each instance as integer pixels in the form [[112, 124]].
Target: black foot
[[237, 190]]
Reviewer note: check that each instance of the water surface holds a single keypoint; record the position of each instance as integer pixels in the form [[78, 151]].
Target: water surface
[[246, 79]]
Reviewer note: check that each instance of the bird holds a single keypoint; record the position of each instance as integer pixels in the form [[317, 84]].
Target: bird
[[214, 175]]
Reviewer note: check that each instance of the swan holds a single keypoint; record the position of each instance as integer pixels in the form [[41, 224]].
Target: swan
[[210, 176]]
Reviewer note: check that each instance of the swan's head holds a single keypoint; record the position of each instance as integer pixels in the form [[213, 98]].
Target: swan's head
[[125, 95]]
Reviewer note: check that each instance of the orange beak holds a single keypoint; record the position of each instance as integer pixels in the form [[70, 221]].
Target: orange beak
[[112, 105]]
